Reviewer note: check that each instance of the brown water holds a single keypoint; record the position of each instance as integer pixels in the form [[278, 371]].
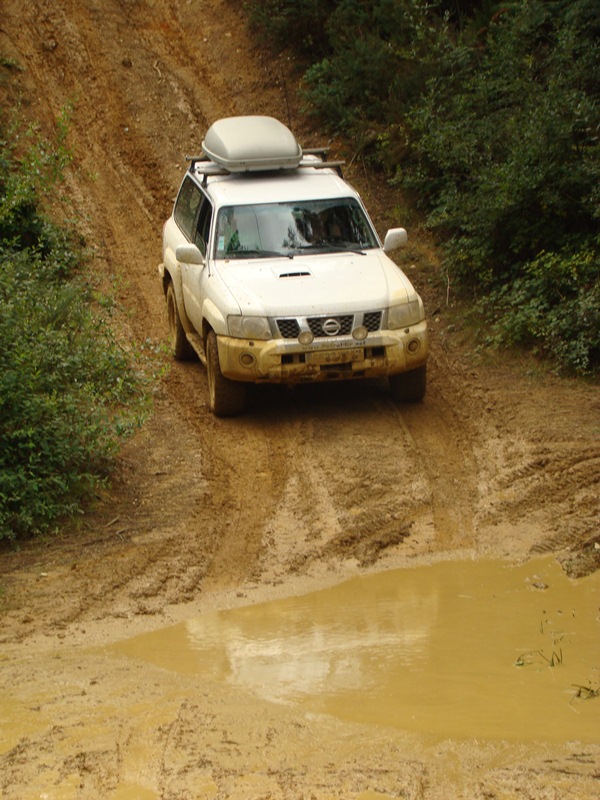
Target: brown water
[[458, 649]]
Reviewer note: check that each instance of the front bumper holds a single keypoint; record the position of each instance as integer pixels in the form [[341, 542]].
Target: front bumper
[[338, 358]]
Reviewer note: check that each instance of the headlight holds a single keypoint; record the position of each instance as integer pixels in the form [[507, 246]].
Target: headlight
[[249, 327], [405, 314]]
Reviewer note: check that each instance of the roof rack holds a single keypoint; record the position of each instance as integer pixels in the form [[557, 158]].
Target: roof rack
[[202, 165], [316, 151], [320, 152], [209, 166]]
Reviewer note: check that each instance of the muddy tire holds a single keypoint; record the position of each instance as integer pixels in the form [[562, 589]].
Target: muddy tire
[[180, 347], [409, 387], [226, 398]]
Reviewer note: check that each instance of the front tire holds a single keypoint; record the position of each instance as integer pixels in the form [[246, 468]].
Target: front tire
[[226, 398], [409, 387], [180, 347]]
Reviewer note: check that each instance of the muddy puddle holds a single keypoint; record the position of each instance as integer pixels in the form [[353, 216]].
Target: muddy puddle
[[466, 669], [458, 649]]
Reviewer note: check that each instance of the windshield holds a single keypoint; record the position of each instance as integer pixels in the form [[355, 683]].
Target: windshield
[[288, 229]]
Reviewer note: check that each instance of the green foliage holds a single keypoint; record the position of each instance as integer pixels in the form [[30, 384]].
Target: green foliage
[[553, 307], [505, 161], [506, 142], [64, 380], [471, 15], [299, 24], [41, 166], [380, 55], [489, 113]]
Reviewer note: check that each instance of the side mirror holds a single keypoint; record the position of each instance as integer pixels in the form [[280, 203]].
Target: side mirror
[[189, 254], [394, 238]]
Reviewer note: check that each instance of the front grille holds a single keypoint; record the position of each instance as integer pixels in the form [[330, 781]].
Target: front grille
[[288, 328], [316, 325], [372, 321]]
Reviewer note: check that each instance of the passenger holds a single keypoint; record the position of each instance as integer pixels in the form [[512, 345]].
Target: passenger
[[228, 237]]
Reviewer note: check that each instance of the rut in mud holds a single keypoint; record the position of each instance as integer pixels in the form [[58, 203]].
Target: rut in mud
[[311, 485]]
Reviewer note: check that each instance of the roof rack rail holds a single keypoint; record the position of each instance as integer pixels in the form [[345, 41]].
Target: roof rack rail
[[195, 160], [316, 151], [336, 165], [322, 153], [202, 165], [208, 167]]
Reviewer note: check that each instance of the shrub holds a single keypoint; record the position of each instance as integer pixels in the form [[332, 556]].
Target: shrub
[[489, 112], [505, 161], [552, 307], [506, 141], [299, 24], [380, 55], [64, 381], [40, 167]]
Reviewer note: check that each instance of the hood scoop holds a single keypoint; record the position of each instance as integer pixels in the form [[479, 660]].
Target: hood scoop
[[296, 274]]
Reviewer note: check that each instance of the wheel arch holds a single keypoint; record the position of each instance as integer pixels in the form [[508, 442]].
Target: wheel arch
[[173, 276]]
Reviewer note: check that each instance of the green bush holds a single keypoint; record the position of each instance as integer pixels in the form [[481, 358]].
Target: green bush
[[505, 162], [30, 168], [379, 57], [66, 387], [553, 307], [489, 113], [506, 141], [299, 24]]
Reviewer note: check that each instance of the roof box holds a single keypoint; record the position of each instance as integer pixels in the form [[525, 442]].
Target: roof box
[[243, 144]]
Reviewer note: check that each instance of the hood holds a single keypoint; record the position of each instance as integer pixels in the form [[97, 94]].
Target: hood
[[313, 285]]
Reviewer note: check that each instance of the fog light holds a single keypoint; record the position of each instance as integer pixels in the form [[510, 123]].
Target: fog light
[[360, 333], [413, 346], [306, 337], [247, 359]]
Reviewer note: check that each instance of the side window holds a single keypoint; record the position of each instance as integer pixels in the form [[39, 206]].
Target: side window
[[203, 229], [186, 207]]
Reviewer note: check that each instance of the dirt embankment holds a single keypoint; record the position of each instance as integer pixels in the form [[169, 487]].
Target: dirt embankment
[[311, 485]]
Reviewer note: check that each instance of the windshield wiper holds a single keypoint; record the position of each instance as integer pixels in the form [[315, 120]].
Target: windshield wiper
[[327, 247], [344, 248], [240, 254]]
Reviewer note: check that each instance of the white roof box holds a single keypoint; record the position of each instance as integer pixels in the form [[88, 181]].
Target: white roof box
[[243, 144]]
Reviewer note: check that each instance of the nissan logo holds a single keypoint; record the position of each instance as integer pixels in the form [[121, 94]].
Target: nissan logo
[[331, 327]]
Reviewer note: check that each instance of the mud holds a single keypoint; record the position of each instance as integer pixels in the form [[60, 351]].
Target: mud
[[310, 488], [462, 648]]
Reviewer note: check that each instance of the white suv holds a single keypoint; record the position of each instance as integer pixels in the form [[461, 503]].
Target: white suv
[[273, 272]]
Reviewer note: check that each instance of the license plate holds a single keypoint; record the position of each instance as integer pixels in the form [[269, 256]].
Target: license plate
[[325, 357]]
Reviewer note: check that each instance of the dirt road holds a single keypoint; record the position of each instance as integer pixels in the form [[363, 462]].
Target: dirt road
[[309, 487]]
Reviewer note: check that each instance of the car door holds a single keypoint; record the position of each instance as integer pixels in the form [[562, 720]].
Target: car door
[[193, 214]]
